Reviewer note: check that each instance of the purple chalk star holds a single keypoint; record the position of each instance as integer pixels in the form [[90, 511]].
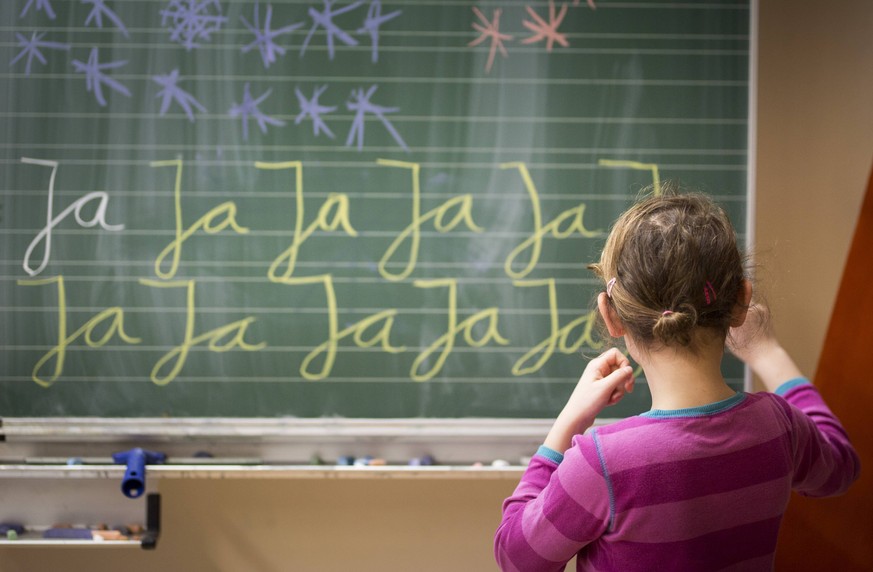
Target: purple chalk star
[[95, 78], [325, 20], [361, 105], [249, 108], [312, 109], [265, 40], [31, 47], [38, 5], [172, 92], [371, 25], [99, 10]]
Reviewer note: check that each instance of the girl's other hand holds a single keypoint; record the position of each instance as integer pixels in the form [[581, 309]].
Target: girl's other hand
[[756, 345]]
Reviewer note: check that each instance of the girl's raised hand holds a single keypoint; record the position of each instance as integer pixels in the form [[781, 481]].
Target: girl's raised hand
[[755, 344], [606, 379]]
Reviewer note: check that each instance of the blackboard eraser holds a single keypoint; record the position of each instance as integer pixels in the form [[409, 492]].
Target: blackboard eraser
[[68, 534]]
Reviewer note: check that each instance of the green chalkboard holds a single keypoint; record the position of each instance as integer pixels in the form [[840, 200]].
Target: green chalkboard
[[355, 209]]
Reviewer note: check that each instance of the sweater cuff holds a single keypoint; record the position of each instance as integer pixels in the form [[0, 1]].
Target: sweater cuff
[[791, 384], [550, 454]]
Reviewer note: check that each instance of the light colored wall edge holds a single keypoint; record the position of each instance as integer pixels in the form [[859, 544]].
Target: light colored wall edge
[[752, 144]]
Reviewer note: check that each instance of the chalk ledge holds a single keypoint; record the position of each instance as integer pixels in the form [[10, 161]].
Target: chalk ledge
[[270, 471]]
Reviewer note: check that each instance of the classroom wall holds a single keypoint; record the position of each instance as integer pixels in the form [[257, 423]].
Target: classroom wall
[[815, 145], [815, 142]]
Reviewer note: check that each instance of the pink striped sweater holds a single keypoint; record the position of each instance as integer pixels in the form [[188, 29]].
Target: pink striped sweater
[[700, 489]]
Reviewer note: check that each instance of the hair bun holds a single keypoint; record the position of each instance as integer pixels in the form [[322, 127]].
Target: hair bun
[[674, 327]]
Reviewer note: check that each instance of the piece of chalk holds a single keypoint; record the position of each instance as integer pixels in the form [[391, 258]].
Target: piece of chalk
[[11, 534], [73, 461], [108, 535], [478, 465], [378, 462], [315, 460], [346, 460], [7, 526], [68, 534], [500, 463], [363, 461], [122, 529]]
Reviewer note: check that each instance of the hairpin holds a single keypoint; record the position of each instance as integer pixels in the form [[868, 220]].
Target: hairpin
[[666, 312], [706, 290], [609, 286]]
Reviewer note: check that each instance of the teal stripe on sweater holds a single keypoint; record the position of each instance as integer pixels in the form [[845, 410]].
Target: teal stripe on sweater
[[791, 384], [550, 454]]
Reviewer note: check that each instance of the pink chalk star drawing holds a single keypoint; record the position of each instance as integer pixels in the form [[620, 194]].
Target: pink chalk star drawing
[[546, 31], [490, 30], [590, 4]]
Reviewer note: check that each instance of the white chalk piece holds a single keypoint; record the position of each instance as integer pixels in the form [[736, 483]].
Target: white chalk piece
[[500, 463]]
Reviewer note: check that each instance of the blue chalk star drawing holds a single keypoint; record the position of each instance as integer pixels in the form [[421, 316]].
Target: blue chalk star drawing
[[265, 40], [249, 108], [95, 78], [371, 25], [192, 20], [30, 48], [38, 5], [172, 92], [361, 105], [325, 20], [99, 10], [312, 109]]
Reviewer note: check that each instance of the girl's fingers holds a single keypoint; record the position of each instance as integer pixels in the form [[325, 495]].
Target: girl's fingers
[[615, 358], [610, 361], [618, 381], [621, 375], [624, 383]]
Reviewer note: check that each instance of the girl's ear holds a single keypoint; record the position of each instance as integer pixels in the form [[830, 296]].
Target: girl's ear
[[613, 324], [741, 308]]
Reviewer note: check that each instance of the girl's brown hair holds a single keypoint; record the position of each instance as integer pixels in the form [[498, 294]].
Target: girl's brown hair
[[676, 267]]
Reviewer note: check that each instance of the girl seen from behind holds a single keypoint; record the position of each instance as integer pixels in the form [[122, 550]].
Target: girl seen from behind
[[701, 481]]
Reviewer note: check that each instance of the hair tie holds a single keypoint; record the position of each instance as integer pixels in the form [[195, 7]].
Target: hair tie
[[666, 312], [609, 286], [706, 290]]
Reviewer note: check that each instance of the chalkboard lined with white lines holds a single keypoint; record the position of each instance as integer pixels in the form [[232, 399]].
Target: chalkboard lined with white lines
[[357, 209]]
